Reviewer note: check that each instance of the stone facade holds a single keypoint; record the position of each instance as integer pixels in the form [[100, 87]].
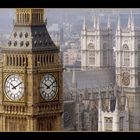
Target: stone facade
[[98, 89], [128, 68], [96, 46]]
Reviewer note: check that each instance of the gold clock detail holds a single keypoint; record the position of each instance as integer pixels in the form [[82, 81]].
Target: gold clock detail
[[126, 78], [14, 87]]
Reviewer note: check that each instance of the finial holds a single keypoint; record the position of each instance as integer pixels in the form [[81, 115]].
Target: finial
[[95, 21], [118, 23], [98, 22], [84, 23], [108, 22]]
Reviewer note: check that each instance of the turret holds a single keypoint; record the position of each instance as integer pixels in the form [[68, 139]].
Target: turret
[[84, 24], [108, 23], [95, 22], [118, 23], [131, 21], [98, 23]]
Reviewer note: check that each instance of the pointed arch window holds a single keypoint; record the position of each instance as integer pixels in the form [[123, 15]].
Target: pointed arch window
[[91, 54], [126, 55]]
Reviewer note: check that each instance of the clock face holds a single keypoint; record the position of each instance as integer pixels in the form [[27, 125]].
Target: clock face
[[126, 78], [48, 87], [14, 87]]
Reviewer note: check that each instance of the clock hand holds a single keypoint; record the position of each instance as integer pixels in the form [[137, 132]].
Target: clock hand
[[51, 83], [45, 85], [18, 84], [13, 87]]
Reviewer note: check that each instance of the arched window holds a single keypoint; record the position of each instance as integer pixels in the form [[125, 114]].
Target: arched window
[[26, 61], [105, 54], [125, 55], [91, 54], [20, 63], [139, 55]]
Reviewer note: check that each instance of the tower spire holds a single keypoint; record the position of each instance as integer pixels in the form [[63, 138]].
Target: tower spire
[[108, 22], [118, 23], [95, 22], [98, 23], [84, 23], [131, 20]]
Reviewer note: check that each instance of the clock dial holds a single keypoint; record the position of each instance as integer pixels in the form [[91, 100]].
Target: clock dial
[[14, 87], [48, 87], [126, 78]]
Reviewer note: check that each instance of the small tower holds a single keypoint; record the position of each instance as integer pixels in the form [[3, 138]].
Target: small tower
[[118, 23], [95, 22], [98, 23], [84, 24], [108, 23], [131, 21]]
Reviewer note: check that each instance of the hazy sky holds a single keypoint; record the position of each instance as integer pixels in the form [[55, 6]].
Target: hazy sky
[[58, 15]]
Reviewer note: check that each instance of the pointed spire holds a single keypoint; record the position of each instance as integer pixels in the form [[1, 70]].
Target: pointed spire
[[118, 23], [95, 22], [108, 22], [131, 21], [98, 23], [84, 23]]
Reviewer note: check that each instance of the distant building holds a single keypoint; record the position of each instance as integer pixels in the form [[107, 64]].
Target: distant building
[[71, 57], [96, 46], [105, 98]]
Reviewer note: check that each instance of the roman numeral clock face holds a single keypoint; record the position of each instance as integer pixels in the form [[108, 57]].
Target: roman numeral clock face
[[14, 87], [48, 87]]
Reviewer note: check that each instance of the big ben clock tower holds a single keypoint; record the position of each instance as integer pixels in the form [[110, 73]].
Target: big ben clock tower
[[30, 76]]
